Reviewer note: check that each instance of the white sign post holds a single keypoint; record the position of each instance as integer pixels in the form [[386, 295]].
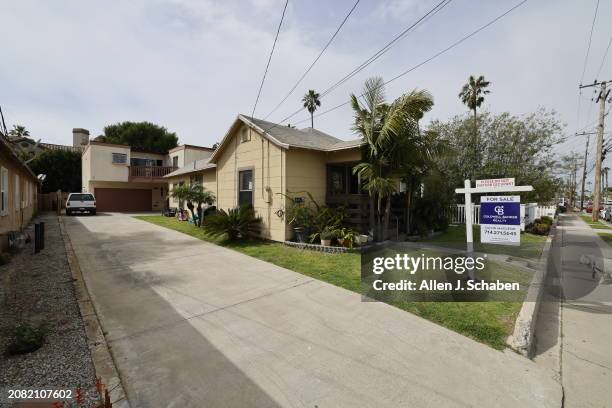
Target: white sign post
[[482, 187]]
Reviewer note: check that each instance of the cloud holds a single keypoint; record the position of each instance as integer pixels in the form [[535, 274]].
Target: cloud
[[192, 65]]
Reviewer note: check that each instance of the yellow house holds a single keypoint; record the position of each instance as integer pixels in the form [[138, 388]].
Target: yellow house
[[259, 161], [18, 192]]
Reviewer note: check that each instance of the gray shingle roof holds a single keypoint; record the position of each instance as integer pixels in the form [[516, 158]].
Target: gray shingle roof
[[307, 138], [192, 167]]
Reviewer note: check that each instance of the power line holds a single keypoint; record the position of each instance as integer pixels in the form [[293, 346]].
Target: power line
[[269, 58], [453, 45], [388, 46], [376, 55], [586, 57], [603, 61], [315, 60]]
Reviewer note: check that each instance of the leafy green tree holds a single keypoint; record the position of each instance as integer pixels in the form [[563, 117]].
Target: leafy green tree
[[473, 92], [144, 136], [512, 146], [389, 133], [63, 170], [311, 102]]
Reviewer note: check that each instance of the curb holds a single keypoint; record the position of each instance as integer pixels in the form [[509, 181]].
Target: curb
[[104, 364], [521, 339]]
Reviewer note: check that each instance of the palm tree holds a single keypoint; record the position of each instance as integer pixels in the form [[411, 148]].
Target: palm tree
[[387, 131], [472, 93], [19, 131], [194, 196], [311, 102]]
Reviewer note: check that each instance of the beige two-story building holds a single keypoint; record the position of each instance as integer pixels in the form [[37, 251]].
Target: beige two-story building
[[258, 162], [124, 179]]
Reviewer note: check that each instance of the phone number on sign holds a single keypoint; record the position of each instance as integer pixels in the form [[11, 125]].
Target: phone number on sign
[[35, 394]]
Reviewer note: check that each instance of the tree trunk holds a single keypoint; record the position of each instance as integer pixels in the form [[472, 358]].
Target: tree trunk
[[409, 189], [372, 212], [312, 120], [199, 215], [386, 218]]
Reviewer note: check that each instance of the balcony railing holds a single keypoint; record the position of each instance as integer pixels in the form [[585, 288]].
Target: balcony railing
[[149, 172]]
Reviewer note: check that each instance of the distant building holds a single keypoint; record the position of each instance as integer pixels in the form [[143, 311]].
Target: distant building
[[27, 148]]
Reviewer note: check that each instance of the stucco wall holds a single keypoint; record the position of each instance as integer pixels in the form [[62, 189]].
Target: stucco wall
[[158, 195], [192, 155], [101, 163], [17, 215], [267, 162], [85, 169]]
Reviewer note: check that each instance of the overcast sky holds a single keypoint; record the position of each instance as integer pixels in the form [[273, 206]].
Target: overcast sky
[[193, 65]]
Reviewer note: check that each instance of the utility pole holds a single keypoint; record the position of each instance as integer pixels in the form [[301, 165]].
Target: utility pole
[[584, 172], [601, 98]]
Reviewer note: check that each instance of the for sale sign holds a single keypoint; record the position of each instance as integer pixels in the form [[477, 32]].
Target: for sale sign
[[500, 182], [500, 220]]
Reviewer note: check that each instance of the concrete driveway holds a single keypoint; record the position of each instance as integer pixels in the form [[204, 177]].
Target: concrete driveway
[[191, 324]]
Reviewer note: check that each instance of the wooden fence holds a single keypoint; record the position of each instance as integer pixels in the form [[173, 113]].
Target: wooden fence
[[49, 201]]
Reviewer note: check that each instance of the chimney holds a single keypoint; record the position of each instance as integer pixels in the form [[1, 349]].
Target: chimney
[[80, 137]]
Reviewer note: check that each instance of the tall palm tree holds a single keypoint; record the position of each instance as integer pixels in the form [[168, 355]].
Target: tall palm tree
[[311, 102], [386, 130], [19, 131], [472, 93]]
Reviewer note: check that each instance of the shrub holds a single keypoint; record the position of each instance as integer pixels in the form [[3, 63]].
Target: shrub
[[327, 234], [429, 214], [239, 222], [538, 228], [26, 338], [547, 220]]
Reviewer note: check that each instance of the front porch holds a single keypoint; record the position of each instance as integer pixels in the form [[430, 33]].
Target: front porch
[[343, 188]]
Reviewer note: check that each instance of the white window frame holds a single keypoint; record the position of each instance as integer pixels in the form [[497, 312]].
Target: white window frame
[[4, 191]]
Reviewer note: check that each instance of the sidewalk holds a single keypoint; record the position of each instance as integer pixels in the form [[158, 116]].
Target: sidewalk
[[575, 322]]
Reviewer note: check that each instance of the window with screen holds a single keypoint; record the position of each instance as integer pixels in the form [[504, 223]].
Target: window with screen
[[119, 158], [174, 161], [245, 187]]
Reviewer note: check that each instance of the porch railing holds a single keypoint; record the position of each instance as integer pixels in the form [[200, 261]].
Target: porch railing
[[149, 172]]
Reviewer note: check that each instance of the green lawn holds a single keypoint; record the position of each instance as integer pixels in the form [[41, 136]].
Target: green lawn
[[593, 224], [530, 248], [606, 237], [487, 322]]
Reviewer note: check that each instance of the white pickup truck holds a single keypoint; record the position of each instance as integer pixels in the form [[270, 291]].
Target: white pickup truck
[[80, 202]]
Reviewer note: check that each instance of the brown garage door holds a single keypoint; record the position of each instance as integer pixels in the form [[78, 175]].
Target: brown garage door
[[122, 199]]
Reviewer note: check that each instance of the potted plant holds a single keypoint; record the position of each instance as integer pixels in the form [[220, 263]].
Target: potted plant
[[347, 237], [326, 237], [299, 217]]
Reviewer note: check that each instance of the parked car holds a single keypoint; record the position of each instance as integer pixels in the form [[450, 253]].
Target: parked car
[[81, 202], [606, 213]]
